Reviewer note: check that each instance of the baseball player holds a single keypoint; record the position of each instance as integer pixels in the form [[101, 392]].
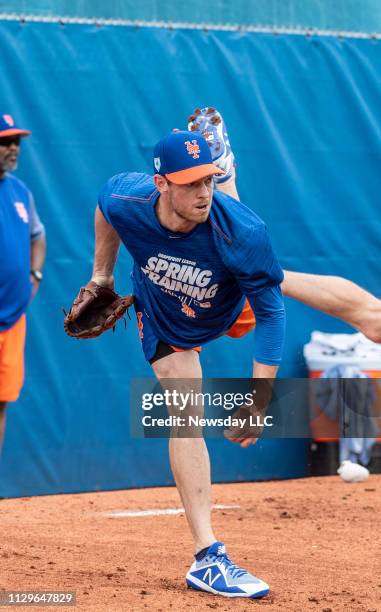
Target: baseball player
[[22, 254], [203, 265]]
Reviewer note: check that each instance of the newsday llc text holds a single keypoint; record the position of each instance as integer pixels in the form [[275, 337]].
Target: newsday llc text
[[196, 421]]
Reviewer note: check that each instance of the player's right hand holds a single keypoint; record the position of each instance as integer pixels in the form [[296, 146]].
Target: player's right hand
[[248, 434]]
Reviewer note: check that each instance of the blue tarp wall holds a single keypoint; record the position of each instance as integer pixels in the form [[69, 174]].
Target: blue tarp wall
[[304, 116]]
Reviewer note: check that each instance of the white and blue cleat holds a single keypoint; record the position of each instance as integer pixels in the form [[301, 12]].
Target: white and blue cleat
[[217, 574], [208, 121]]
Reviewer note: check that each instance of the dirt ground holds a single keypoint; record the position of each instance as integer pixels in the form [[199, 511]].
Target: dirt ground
[[316, 541]]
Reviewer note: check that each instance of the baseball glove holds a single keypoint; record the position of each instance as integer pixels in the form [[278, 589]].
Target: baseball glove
[[95, 310]]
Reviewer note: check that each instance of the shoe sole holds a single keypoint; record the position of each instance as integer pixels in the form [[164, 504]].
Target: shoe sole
[[214, 117], [197, 585], [215, 120]]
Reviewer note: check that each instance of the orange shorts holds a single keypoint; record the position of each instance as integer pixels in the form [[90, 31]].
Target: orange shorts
[[12, 342], [242, 326]]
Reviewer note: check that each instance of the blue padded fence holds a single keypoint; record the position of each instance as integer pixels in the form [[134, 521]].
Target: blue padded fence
[[304, 115]]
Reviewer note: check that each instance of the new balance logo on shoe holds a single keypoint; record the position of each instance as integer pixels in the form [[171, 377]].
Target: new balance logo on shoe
[[208, 576]]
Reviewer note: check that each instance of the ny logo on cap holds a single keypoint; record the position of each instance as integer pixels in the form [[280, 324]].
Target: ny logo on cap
[[157, 163], [9, 120], [193, 148]]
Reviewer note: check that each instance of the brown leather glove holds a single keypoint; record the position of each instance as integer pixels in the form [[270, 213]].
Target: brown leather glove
[[95, 310]]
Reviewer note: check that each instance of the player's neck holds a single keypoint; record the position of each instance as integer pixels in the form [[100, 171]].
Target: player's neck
[[171, 220]]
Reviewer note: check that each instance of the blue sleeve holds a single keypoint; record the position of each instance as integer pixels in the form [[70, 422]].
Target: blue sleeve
[[119, 191], [259, 275], [270, 315], [104, 199], [37, 229]]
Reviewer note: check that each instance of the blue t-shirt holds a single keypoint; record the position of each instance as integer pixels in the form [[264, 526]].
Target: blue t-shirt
[[193, 285], [19, 224]]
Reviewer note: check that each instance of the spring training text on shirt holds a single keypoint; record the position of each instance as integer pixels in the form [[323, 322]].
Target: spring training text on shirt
[[186, 279]]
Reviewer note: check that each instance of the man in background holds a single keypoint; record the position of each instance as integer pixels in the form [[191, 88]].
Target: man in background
[[22, 254]]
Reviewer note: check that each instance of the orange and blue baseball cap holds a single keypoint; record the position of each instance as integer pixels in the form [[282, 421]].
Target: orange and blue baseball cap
[[184, 157], [9, 128]]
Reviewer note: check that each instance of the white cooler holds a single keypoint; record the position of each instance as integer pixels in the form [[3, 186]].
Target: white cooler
[[326, 350]]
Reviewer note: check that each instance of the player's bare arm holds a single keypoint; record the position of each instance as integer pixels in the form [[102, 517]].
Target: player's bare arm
[[97, 307], [37, 258], [107, 243], [261, 370]]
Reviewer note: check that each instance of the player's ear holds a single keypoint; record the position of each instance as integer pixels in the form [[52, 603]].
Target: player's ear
[[161, 183]]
